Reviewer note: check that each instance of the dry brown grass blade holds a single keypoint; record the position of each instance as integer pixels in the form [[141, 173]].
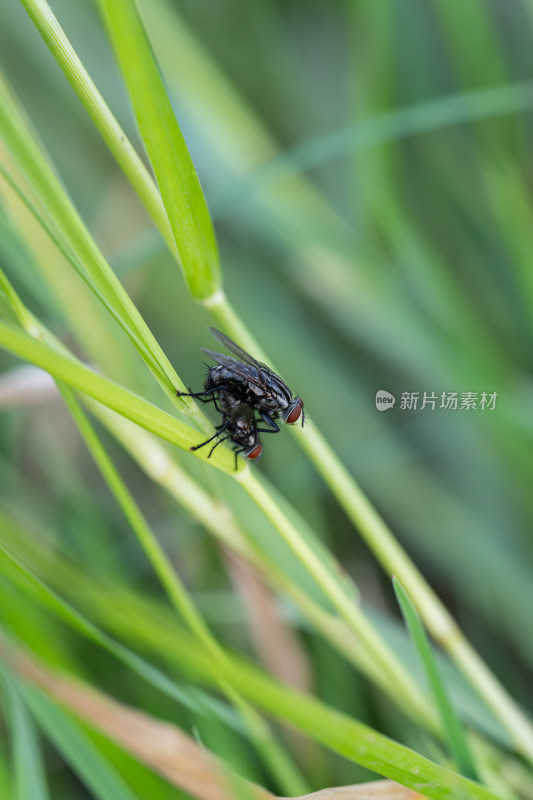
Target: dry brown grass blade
[[275, 642], [169, 751], [376, 790], [159, 745]]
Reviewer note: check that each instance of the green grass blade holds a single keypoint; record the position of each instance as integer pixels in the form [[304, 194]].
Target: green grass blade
[[390, 672], [42, 272], [333, 729], [150, 625], [393, 673], [118, 398], [6, 790], [359, 743], [392, 557], [467, 53], [148, 784], [76, 748], [452, 725], [23, 577], [275, 758], [18, 138], [146, 538], [177, 179], [19, 310], [115, 138], [29, 777], [73, 260]]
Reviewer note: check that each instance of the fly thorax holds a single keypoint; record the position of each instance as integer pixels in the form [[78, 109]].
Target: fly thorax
[[281, 393]]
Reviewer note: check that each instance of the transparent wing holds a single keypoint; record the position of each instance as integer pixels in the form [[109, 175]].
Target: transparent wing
[[248, 372], [257, 373], [235, 349]]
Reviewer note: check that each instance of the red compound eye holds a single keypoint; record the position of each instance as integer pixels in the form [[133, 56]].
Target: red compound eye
[[256, 452], [295, 413]]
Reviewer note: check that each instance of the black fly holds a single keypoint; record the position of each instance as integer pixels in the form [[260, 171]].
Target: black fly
[[251, 382], [238, 424]]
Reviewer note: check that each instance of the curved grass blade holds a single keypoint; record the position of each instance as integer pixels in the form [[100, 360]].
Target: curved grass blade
[[177, 179], [142, 182], [126, 403]]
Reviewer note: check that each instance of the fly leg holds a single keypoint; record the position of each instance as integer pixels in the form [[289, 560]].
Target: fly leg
[[217, 444], [239, 450], [219, 431], [199, 395], [274, 427], [204, 397]]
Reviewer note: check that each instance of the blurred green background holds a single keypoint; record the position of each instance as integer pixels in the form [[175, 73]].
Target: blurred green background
[[368, 168]]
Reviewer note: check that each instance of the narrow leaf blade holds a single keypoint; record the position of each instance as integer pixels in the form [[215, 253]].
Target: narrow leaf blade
[[451, 723], [76, 748], [28, 766], [177, 179]]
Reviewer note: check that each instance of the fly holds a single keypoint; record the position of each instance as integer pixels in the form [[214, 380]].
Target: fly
[[251, 382], [238, 423]]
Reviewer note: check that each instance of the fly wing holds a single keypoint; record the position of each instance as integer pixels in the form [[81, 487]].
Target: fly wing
[[248, 372], [235, 349], [259, 374]]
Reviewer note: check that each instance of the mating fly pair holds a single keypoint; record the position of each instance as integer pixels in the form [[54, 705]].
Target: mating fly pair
[[240, 387]]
